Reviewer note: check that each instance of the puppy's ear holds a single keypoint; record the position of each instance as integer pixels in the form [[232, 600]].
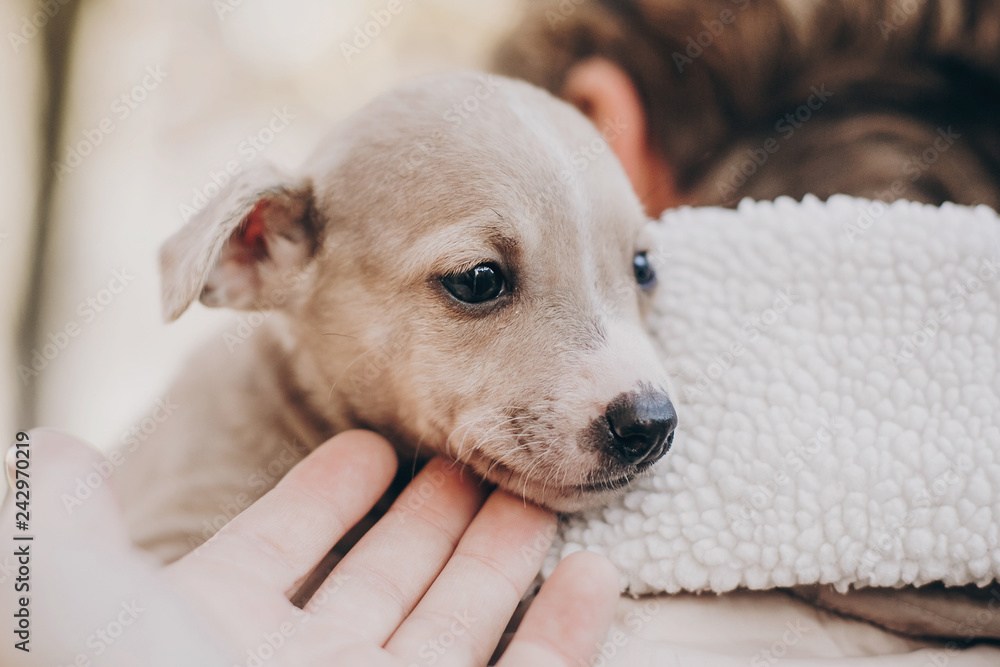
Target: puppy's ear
[[240, 250]]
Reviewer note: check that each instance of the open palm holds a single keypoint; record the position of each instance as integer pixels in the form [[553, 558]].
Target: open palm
[[434, 583]]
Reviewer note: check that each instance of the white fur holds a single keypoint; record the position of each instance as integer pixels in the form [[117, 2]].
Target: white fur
[[853, 472]]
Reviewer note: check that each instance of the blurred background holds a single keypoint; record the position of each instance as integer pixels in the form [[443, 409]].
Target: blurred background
[[123, 117], [148, 103]]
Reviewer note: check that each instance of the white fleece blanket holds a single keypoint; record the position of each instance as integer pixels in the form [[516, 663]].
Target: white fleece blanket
[[836, 374]]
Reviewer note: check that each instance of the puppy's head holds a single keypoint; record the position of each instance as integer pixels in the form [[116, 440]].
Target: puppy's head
[[465, 269]]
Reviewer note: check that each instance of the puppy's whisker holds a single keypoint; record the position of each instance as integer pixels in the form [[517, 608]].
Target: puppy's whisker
[[524, 482], [467, 426], [550, 477], [526, 476], [416, 457], [347, 369], [467, 429]]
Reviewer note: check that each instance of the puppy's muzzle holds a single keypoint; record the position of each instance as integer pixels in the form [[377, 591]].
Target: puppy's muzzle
[[642, 426]]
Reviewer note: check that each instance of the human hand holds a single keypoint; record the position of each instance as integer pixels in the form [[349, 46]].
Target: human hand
[[434, 582]]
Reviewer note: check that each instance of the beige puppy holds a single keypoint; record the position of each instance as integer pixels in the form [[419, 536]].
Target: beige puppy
[[461, 267]]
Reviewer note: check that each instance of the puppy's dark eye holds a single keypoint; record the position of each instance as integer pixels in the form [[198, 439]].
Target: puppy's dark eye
[[644, 273], [482, 283]]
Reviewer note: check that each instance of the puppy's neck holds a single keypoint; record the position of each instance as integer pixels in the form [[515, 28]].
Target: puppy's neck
[[316, 403], [309, 414]]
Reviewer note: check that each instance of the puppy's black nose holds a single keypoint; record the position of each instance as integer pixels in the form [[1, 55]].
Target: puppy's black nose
[[642, 426]]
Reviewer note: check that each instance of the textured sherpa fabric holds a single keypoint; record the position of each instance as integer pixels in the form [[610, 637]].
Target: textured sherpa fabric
[[835, 370]]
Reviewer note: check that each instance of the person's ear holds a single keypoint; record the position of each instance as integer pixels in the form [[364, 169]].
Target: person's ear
[[605, 93], [240, 251]]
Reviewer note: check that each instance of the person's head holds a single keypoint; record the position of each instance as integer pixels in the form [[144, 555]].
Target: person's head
[[710, 101]]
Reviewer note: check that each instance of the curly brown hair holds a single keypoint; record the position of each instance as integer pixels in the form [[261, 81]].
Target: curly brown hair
[[760, 98]]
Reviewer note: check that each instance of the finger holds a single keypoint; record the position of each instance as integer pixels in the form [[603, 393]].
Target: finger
[[378, 583], [79, 572], [460, 619], [64, 482], [282, 536], [570, 617]]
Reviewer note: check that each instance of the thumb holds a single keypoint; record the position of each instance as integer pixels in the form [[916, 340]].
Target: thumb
[[77, 590]]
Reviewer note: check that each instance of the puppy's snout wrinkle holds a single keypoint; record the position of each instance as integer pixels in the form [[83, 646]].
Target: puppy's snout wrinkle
[[642, 426]]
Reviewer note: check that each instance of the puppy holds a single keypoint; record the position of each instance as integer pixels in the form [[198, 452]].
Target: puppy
[[462, 266], [886, 99]]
